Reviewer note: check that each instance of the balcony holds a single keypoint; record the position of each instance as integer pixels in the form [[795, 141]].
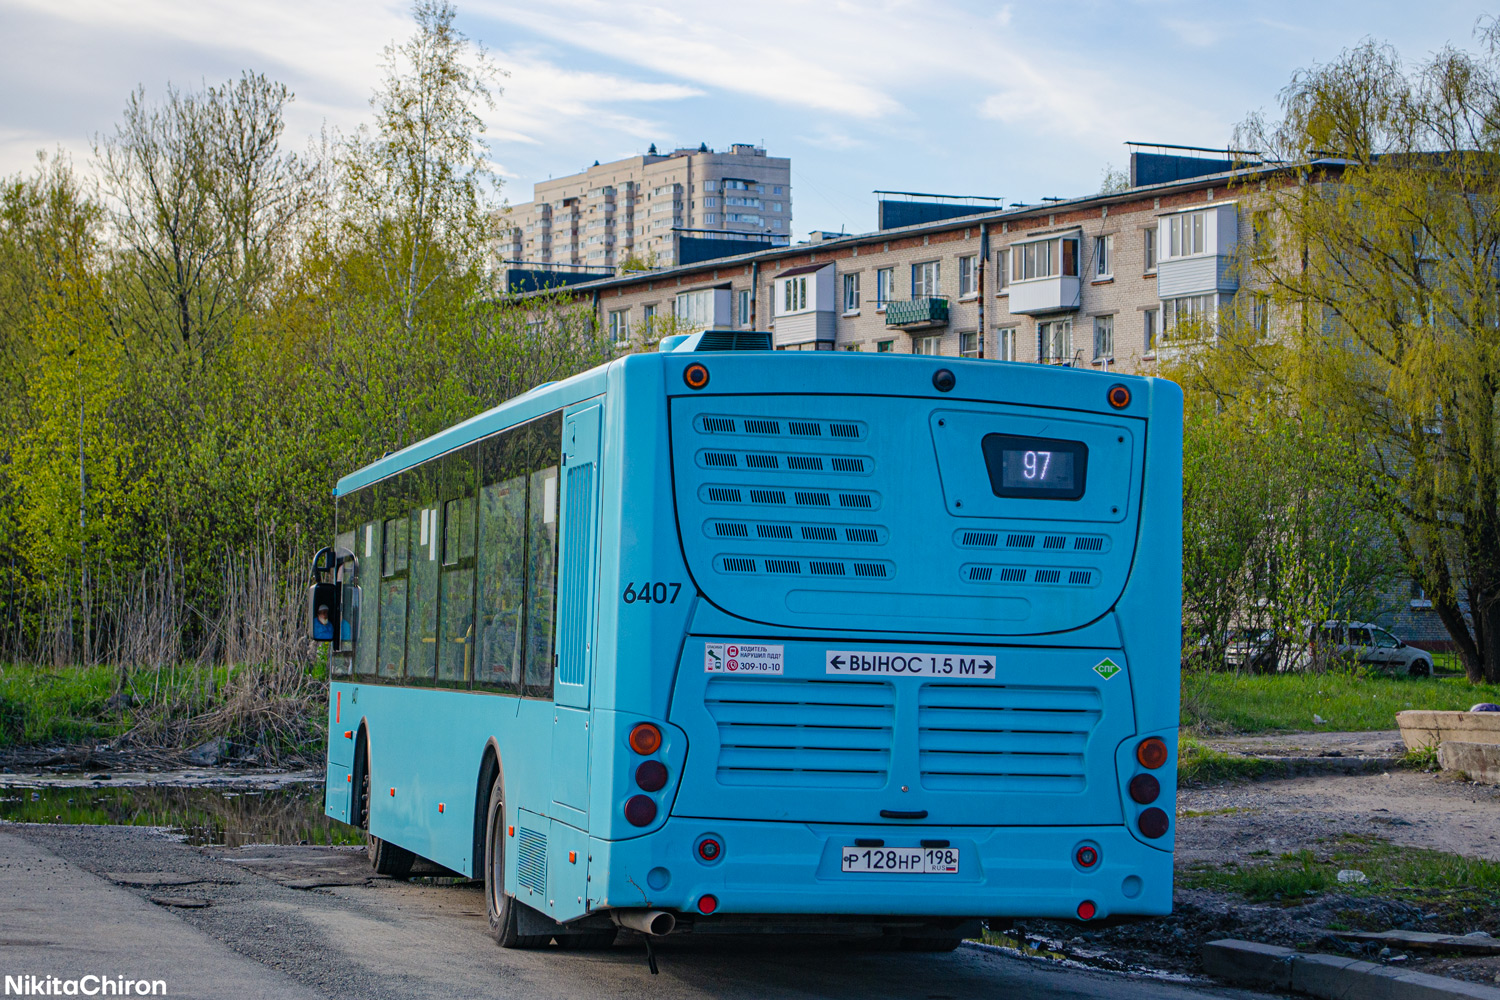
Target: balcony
[[1044, 295], [917, 314]]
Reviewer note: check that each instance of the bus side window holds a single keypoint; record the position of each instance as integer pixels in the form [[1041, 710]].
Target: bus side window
[[393, 599], [422, 595], [367, 547], [456, 624], [502, 574], [541, 577]]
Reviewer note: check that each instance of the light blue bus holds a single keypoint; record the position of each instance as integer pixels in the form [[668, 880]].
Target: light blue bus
[[721, 638]]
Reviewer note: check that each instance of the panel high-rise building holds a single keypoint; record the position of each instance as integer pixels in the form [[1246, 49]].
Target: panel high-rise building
[[632, 207]]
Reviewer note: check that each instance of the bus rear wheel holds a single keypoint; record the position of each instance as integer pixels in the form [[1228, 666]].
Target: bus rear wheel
[[504, 912]]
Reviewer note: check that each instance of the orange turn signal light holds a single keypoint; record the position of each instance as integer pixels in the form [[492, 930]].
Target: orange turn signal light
[[645, 739], [696, 375], [1152, 752], [1119, 397]]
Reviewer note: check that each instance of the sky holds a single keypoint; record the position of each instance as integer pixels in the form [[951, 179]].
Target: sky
[[1020, 100]]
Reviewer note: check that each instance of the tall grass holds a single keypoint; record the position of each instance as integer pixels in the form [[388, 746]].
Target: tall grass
[[1223, 703], [159, 672]]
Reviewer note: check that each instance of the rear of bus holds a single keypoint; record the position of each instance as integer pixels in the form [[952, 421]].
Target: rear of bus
[[932, 670]]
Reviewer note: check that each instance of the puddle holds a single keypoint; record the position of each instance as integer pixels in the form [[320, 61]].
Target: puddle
[[204, 816]]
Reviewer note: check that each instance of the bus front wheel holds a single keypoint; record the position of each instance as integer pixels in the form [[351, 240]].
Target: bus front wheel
[[502, 909]]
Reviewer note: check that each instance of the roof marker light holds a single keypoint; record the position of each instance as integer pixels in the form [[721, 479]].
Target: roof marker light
[[695, 375], [1119, 397]]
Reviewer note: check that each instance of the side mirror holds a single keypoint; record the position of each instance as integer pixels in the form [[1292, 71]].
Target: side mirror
[[323, 611]]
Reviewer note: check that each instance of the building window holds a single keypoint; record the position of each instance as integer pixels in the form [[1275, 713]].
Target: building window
[[776, 189], [619, 326], [1104, 337], [1055, 341], [648, 321], [968, 276], [1150, 325], [885, 346], [777, 206], [1045, 259], [695, 310], [1260, 234], [744, 306], [1002, 272], [710, 217], [794, 294], [854, 347], [1005, 344], [1187, 316], [1185, 234], [1260, 314], [884, 279], [1150, 249], [1104, 252], [927, 345], [969, 345], [924, 280], [851, 293]]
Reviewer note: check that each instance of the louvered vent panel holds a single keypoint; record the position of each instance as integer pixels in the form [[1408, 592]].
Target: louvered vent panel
[[576, 580], [781, 732], [847, 464], [767, 496], [720, 460], [871, 570], [843, 430], [774, 531], [861, 535], [1012, 575], [725, 530], [723, 494], [973, 738], [820, 567], [732, 564], [807, 499], [982, 539], [805, 428], [531, 859], [819, 534], [1046, 575], [762, 426], [804, 463], [783, 566], [718, 425], [1080, 576], [857, 501], [762, 461], [1015, 541], [981, 573], [1053, 542], [1086, 543]]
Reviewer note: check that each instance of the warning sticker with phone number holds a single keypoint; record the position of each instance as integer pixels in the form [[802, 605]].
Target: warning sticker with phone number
[[743, 658]]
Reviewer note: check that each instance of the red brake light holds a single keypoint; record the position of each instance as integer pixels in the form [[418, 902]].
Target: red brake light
[[1153, 823], [1087, 909], [640, 810], [707, 904], [1144, 788], [1152, 753], [645, 739], [651, 776]]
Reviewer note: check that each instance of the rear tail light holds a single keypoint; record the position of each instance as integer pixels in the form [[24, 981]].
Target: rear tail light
[[1144, 788], [645, 739], [696, 376], [640, 810], [1086, 856], [1119, 397], [1087, 909], [707, 904], [1153, 823], [1152, 752], [651, 776]]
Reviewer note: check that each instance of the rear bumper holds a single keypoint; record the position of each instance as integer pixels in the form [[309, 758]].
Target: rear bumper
[[794, 868]]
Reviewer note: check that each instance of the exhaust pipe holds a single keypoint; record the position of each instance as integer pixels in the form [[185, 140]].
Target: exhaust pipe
[[655, 923]]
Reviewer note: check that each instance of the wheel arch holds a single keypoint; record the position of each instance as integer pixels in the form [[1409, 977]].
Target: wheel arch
[[490, 768], [360, 770]]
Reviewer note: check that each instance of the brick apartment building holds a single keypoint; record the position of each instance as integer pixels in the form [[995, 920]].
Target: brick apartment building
[[1100, 280], [595, 219]]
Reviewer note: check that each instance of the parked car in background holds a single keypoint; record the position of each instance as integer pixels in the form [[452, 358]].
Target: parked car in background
[[1363, 642]]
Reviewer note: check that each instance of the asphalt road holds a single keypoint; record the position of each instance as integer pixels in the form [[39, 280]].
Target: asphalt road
[[300, 923]]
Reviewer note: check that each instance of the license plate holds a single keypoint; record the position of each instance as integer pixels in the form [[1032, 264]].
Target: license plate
[[902, 860]]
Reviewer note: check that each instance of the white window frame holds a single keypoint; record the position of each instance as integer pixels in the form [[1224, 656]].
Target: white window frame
[[1054, 340], [1151, 327], [926, 279], [1149, 249], [851, 294], [1038, 260], [1187, 235], [1104, 257], [743, 304], [885, 281], [1002, 273], [1188, 309], [930, 345], [619, 326], [968, 276], [1104, 337], [1005, 344], [977, 342]]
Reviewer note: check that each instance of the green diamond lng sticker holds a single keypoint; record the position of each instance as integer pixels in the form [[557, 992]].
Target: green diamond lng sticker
[[1106, 668]]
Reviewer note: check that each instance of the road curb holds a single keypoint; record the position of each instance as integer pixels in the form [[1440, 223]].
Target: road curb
[[1332, 976]]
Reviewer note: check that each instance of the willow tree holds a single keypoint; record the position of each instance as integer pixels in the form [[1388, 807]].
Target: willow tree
[[1381, 258]]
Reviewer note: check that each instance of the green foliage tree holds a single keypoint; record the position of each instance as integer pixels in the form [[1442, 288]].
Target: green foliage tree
[[1384, 280]]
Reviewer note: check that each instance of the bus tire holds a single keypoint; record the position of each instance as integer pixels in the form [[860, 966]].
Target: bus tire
[[502, 909]]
